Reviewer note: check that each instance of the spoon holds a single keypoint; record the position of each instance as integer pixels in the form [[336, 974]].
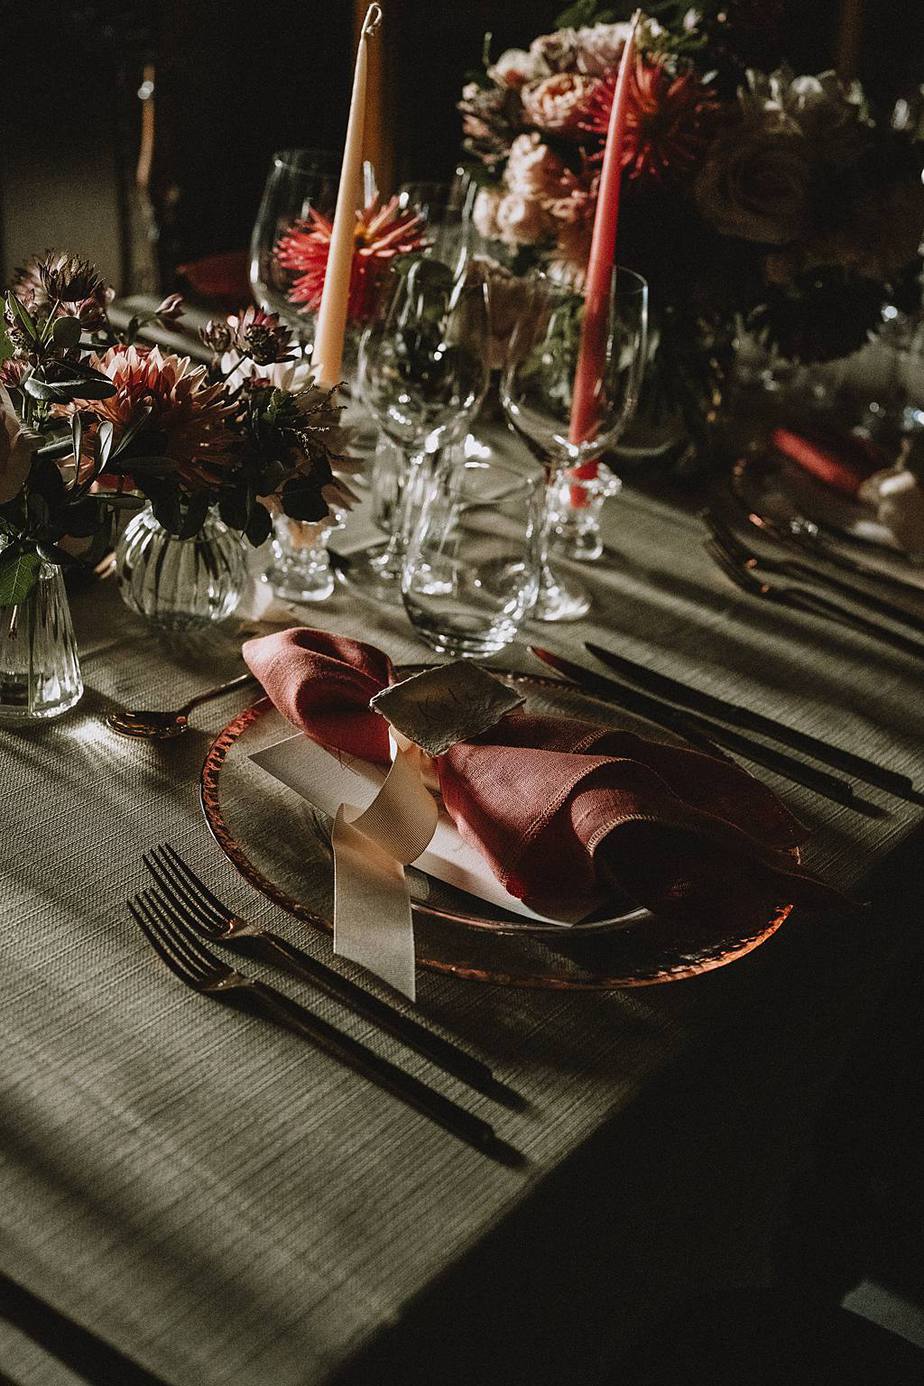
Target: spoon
[[163, 726]]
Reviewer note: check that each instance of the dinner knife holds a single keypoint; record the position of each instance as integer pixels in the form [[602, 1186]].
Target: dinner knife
[[699, 731], [660, 685]]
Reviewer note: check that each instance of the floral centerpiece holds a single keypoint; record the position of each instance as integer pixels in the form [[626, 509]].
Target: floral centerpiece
[[751, 196], [92, 419]]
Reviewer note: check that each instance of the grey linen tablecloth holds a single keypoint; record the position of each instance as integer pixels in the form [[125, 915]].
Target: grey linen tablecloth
[[227, 1206]]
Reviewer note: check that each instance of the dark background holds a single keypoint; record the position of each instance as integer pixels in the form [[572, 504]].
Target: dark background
[[237, 79]]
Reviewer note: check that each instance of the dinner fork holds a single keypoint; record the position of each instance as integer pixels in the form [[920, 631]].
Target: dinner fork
[[197, 967], [189, 897], [801, 599], [800, 571]]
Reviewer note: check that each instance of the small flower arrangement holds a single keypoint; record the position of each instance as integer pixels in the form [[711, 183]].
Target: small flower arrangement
[[750, 195], [91, 419]]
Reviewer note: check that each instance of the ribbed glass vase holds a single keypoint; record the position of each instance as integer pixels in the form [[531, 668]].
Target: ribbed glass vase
[[180, 583], [39, 667]]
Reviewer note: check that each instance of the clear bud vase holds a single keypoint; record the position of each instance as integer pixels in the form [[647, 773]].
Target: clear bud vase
[[39, 668], [179, 584], [576, 509], [300, 569]]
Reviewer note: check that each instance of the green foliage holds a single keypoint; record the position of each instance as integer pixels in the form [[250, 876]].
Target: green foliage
[[587, 12], [20, 565]]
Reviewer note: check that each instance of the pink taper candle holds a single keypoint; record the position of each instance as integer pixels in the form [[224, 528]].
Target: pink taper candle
[[584, 403], [330, 329]]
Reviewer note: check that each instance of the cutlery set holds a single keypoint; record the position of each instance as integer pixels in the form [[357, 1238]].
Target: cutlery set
[[183, 919], [711, 723], [180, 917]]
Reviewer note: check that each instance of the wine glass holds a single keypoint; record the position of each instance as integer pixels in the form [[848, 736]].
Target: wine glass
[[423, 368], [451, 235], [300, 182], [569, 389]]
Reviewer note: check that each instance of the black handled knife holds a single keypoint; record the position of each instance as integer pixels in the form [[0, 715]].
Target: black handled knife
[[699, 731], [661, 686]]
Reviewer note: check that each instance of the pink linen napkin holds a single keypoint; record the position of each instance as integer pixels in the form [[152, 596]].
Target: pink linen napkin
[[559, 807]]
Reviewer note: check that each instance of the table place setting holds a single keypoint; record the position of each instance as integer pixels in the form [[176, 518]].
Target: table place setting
[[487, 665]]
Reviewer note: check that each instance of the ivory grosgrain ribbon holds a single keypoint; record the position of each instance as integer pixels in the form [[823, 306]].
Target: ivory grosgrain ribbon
[[559, 809]]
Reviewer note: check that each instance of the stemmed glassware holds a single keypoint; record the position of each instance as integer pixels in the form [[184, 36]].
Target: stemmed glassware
[[300, 181], [424, 371], [546, 367]]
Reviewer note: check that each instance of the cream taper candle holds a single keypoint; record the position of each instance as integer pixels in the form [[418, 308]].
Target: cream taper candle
[[327, 357]]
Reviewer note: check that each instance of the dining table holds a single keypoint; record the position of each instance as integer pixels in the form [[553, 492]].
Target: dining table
[[221, 1203]]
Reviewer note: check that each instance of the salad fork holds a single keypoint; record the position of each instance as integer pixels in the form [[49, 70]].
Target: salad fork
[[801, 599], [198, 968], [800, 571], [190, 898]]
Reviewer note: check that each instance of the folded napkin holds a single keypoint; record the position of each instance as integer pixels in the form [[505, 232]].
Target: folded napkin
[[560, 808], [842, 462]]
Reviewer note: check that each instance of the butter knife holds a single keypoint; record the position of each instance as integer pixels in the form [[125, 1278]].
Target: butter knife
[[699, 731]]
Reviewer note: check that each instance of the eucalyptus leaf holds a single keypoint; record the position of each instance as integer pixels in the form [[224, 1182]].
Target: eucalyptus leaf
[[66, 332], [131, 433], [19, 571], [302, 500], [259, 525], [77, 440], [65, 388], [22, 312], [166, 508], [104, 443], [234, 507]]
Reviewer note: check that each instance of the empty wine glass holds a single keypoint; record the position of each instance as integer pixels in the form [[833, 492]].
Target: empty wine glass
[[569, 389], [471, 571], [300, 183], [423, 368], [450, 233]]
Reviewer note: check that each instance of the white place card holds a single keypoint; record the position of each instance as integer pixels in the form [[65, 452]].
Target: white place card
[[328, 779]]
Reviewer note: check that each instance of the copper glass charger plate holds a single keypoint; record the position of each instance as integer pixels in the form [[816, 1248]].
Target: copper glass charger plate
[[280, 843], [780, 491]]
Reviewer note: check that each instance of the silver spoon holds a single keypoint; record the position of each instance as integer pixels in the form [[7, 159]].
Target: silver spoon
[[163, 726]]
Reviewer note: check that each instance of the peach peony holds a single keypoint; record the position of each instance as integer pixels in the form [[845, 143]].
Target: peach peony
[[557, 103]]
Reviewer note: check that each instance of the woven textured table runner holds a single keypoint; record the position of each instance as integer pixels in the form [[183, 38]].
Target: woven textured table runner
[[227, 1206]]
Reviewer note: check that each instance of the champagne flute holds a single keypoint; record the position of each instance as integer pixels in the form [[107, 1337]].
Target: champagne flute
[[556, 370], [423, 367]]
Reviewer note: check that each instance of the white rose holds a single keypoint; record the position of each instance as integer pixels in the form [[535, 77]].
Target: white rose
[[521, 221], [513, 68], [532, 169], [600, 47], [484, 213]]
